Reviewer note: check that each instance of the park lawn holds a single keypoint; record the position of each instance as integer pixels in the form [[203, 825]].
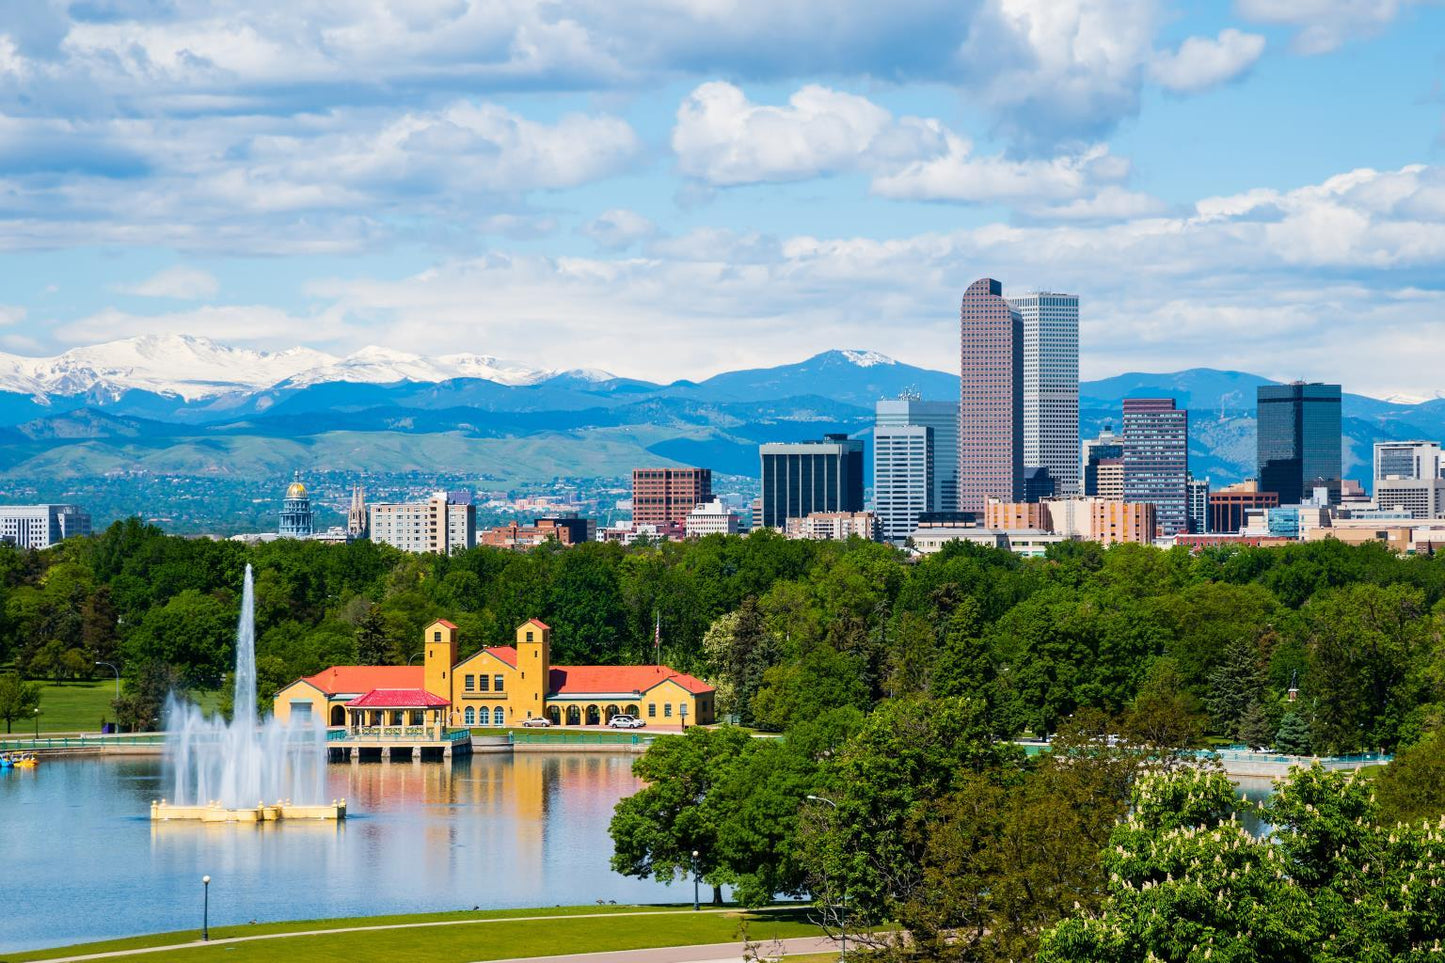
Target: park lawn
[[82, 706], [601, 928]]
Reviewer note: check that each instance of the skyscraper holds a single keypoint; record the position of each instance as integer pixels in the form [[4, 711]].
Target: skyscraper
[[990, 414], [939, 488], [1198, 504], [1299, 440], [1108, 448], [902, 477], [1051, 385], [1406, 460], [1156, 460], [803, 477], [666, 496]]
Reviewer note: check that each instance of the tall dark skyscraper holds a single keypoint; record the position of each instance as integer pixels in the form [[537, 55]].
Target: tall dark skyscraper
[[1156, 460], [990, 414], [803, 477], [1299, 440]]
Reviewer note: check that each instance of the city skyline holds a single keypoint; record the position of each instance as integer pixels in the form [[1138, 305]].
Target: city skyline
[[506, 175]]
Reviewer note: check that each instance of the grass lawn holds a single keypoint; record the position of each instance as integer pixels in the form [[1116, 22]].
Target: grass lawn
[[81, 706], [451, 937]]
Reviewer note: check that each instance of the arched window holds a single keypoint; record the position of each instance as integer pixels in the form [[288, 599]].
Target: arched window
[[593, 716], [498, 719], [471, 716], [574, 716]]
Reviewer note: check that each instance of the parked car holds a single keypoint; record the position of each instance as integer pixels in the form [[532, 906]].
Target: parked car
[[626, 722], [536, 722]]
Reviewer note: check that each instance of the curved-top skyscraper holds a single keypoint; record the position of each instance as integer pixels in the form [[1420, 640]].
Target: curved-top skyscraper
[[990, 411]]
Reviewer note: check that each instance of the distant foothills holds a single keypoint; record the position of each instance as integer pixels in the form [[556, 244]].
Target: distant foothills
[[178, 406]]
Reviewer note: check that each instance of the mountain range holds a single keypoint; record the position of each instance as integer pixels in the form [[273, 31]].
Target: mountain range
[[190, 406]]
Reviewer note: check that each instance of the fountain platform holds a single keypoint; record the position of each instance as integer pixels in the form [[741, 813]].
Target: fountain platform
[[162, 811]]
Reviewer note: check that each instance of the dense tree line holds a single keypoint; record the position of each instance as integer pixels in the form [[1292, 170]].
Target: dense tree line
[[789, 630]]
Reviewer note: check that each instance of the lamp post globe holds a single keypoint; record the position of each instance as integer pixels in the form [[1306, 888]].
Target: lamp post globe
[[206, 909]]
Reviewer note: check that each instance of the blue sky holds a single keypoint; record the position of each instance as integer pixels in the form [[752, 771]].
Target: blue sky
[[670, 188]]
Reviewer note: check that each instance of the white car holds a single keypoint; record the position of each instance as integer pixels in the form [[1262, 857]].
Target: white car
[[536, 722], [626, 722]]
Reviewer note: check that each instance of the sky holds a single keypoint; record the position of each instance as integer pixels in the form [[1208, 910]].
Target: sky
[[673, 188]]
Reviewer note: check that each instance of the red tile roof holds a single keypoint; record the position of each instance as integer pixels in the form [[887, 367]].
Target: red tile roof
[[399, 699], [444, 622], [364, 678], [506, 653], [585, 679], [539, 624]]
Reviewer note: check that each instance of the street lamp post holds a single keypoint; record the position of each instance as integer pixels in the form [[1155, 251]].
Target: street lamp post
[[206, 909], [843, 911], [695, 906], [111, 667], [37, 723]]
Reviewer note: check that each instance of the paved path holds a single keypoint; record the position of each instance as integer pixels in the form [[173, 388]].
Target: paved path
[[705, 953], [681, 954]]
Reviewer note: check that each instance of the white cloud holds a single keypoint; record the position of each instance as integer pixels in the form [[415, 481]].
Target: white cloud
[[180, 282], [11, 314], [1324, 25], [1219, 285], [724, 139], [1201, 63], [618, 229]]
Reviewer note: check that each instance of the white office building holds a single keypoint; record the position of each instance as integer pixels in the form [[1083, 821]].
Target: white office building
[[902, 478], [41, 526], [1406, 461], [941, 417], [712, 518], [1051, 385], [438, 525]]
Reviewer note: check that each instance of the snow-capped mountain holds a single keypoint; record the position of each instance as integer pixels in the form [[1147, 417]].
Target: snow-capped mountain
[[193, 368]]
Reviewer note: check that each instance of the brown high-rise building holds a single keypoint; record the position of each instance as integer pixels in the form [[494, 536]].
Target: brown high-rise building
[[990, 414], [662, 496]]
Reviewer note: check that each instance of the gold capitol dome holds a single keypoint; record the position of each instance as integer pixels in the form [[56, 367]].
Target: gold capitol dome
[[296, 489]]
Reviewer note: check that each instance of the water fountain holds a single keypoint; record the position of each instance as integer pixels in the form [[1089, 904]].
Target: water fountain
[[225, 771]]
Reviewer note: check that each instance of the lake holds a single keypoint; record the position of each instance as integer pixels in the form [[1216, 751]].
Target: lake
[[82, 860]]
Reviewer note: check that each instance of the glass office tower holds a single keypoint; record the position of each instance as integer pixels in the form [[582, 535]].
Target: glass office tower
[[1299, 440], [803, 477]]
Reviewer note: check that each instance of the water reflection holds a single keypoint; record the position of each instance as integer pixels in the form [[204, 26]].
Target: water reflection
[[491, 831]]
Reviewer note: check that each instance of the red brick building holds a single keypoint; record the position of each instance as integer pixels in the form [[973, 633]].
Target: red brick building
[[662, 496]]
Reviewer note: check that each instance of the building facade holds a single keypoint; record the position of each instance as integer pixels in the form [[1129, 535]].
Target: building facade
[[834, 526], [1123, 522], [504, 686], [438, 525], [1419, 497], [296, 519], [1198, 498], [990, 414], [941, 418], [1230, 506], [1018, 515], [1156, 460], [1108, 449], [803, 477], [41, 526], [565, 530], [1406, 460], [1050, 327], [1298, 446], [358, 522], [712, 518], [662, 496], [902, 477]]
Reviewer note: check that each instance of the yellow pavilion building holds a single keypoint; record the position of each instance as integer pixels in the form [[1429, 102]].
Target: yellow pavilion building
[[497, 687]]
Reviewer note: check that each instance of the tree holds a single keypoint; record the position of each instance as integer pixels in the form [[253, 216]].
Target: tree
[[1293, 736], [373, 647], [1412, 786], [1164, 716], [1237, 683], [139, 708], [739, 649], [656, 830], [1330, 882], [18, 699], [1255, 729]]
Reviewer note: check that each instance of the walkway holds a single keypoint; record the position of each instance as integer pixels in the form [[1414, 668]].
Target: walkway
[[706, 953]]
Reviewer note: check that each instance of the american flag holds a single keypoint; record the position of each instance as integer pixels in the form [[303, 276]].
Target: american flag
[[657, 639]]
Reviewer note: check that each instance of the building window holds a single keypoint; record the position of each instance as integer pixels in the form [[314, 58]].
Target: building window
[[497, 684], [497, 717], [436, 636], [484, 683], [529, 635], [652, 711], [471, 683], [667, 710], [470, 716]]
